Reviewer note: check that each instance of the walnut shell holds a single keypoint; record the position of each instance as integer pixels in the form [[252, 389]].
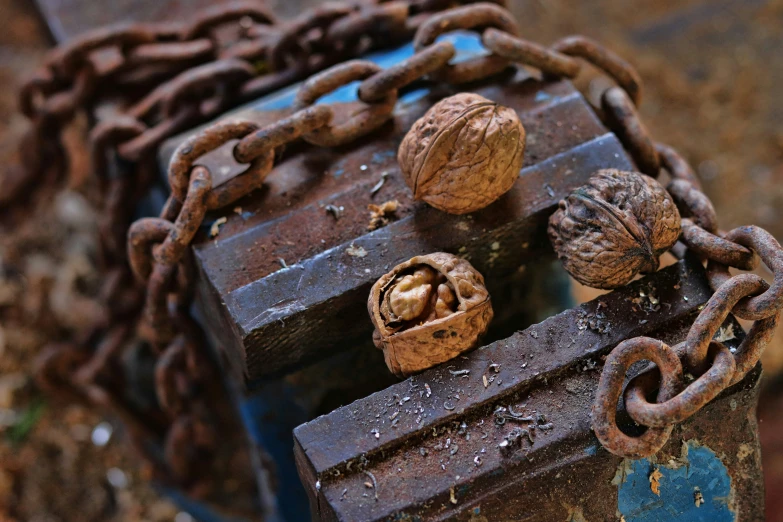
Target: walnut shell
[[614, 227], [463, 154], [427, 311]]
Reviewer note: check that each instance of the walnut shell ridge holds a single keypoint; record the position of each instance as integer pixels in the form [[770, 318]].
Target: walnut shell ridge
[[424, 345], [613, 228], [463, 154]]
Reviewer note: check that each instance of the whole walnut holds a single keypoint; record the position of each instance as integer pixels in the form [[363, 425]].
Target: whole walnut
[[463, 154], [614, 227], [428, 310]]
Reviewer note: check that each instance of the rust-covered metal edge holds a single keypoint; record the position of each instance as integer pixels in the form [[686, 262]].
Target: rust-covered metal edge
[[551, 368]]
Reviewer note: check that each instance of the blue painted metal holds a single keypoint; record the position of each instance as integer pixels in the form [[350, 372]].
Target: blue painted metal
[[701, 472]]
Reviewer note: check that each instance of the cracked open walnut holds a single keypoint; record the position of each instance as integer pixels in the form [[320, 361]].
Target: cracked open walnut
[[427, 311]]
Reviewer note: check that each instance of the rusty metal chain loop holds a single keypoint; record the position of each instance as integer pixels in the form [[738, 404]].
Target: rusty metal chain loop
[[607, 61], [362, 121], [180, 168], [475, 16], [623, 119], [610, 386], [222, 14], [387, 81], [530, 53], [690, 400]]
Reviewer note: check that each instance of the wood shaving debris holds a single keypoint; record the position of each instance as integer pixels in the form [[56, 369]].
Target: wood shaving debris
[[355, 251], [374, 484], [215, 229], [380, 183], [698, 498], [655, 481], [381, 215], [726, 334], [484, 378]]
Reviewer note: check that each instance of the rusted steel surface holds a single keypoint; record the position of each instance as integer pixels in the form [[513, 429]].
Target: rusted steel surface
[[504, 434], [268, 318]]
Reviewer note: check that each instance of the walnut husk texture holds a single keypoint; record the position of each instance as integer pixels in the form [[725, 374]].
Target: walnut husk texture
[[463, 154], [613, 228], [428, 310]]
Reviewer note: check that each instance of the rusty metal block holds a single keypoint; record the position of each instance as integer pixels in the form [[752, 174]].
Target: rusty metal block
[[285, 281], [504, 433]]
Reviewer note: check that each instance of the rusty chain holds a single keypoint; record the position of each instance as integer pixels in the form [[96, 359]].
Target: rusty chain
[[710, 366], [202, 78]]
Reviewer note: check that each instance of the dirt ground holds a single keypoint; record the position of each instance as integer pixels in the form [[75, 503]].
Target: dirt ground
[[712, 71]]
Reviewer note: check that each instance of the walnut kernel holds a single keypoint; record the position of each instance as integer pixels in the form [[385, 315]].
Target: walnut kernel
[[427, 311], [463, 154]]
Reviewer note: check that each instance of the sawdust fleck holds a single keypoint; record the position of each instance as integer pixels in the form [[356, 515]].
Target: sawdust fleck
[[381, 215], [355, 251], [655, 481], [726, 334], [698, 498], [744, 451], [215, 228]]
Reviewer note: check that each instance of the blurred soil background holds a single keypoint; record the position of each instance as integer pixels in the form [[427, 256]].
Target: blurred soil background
[[713, 74]]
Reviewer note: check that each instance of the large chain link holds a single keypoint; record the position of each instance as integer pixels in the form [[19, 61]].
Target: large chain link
[[157, 248]]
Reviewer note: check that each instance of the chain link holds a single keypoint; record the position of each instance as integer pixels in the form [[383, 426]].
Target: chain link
[[203, 77]]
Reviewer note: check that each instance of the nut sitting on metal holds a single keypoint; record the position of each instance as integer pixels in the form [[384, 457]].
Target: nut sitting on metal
[[613, 228], [427, 311], [463, 154]]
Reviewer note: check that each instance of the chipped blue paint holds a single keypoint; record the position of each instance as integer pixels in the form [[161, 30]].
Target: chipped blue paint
[[542, 96], [381, 157], [702, 472]]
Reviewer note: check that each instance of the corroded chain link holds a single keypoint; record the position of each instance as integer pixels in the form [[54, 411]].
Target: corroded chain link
[[157, 248]]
